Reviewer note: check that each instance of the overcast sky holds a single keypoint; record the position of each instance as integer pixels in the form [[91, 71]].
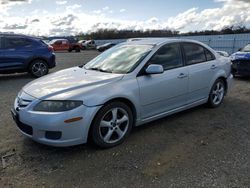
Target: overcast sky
[[68, 17]]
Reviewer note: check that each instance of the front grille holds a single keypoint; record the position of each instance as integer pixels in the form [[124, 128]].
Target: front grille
[[22, 103], [25, 128]]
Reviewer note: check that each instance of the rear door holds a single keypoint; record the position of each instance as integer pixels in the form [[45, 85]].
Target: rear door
[[202, 66], [17, 52], [65, 45]]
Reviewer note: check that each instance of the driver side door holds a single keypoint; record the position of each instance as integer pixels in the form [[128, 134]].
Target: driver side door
[[160, 93]]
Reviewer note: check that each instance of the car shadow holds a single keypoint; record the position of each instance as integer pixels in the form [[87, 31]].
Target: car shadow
[[15, 76]]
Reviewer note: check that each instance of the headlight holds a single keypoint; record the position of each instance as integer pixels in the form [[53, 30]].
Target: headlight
[[57, 106]]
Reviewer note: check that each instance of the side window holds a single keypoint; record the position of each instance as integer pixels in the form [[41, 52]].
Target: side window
[[194, 53], [15, 42], [64, 42], [169, 56], [58, 42], [209, 55]]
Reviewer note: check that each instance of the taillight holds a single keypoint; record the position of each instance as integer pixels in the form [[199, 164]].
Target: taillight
[[51, 49]]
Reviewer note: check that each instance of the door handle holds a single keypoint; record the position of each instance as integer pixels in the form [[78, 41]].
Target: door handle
[[182, 75], [213, 67]]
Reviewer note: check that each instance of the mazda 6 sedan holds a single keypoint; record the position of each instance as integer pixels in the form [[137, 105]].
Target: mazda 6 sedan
[[126, 86]]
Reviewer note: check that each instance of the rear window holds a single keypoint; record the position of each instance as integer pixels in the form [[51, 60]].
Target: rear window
[[209, 55], [194, 53], [16, 42]]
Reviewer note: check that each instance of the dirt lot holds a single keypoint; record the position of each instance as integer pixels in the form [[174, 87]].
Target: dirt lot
[[197, 148]]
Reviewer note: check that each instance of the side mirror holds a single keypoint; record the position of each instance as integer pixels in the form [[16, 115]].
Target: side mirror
[[240, 49], [154, 69]]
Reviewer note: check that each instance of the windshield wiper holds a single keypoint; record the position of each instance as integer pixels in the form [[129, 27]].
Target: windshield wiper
[[99, 69]]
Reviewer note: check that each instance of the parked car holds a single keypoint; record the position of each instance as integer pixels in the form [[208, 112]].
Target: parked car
[[104, 47], [89, 44], [128, 85], [81, 41], [60, 44], [65, 45], [20, 53], [223, 53], [241, 62]]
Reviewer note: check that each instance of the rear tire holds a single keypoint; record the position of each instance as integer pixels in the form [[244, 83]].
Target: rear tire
[[112, 125], [38, 68], [217, 94]]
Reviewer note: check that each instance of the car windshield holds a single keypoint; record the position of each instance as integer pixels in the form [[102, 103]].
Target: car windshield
[[121, 59], [246, 48]]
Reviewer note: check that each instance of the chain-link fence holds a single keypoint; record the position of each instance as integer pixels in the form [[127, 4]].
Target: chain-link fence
[[229, 43]]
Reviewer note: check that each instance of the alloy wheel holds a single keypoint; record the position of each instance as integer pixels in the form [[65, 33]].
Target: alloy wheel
[[218, 93], [114, 125], [39, 69]]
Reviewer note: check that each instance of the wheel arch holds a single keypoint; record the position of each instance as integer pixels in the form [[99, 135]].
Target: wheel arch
[[225, 82], [124, 100], [35, 59]]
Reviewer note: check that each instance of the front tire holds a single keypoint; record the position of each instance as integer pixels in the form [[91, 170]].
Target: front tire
[[38, 68], [217, 94], [112, 125]]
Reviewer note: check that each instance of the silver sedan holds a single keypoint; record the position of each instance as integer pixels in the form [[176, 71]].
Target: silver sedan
[[128, 85]]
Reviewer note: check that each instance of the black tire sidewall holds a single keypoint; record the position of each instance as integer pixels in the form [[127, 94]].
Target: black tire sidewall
[[95, 136], [210, 100]]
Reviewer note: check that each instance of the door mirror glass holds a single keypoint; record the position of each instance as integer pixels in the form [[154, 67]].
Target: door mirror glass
[[154, 69]]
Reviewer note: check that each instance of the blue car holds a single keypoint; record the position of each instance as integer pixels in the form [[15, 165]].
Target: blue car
[[20, 53], [241, 62]]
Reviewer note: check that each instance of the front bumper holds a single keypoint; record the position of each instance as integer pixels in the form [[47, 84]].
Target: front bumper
[[52, 61], [229, 82], [241, 68], [50, 128]]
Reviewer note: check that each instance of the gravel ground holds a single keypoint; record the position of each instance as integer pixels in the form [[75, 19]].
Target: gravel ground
[[201, 147]]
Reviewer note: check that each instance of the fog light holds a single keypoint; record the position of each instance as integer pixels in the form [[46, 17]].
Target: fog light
[[73, 120]]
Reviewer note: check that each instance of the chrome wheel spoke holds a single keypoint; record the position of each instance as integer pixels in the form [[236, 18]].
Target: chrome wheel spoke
[[114, 114], [105, 124], [108, 135], [122, 120], [119, 132], [215, 99]]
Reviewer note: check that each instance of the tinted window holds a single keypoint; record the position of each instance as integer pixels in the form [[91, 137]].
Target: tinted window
[[209, 55], [169, 56], [58, 42], [15, 42], [194, 53], [0, 42]]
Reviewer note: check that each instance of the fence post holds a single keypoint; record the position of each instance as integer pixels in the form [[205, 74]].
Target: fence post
[[234, 41]]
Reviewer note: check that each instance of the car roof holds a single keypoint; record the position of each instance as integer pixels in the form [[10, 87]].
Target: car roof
[[17, 35], [158, 41]]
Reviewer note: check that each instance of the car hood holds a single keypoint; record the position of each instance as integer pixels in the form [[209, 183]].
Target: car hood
[[64, 83], [240, 56]]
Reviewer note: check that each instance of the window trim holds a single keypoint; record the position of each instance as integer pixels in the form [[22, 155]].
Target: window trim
[[214, 58], [142, 71], [185, 57]]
